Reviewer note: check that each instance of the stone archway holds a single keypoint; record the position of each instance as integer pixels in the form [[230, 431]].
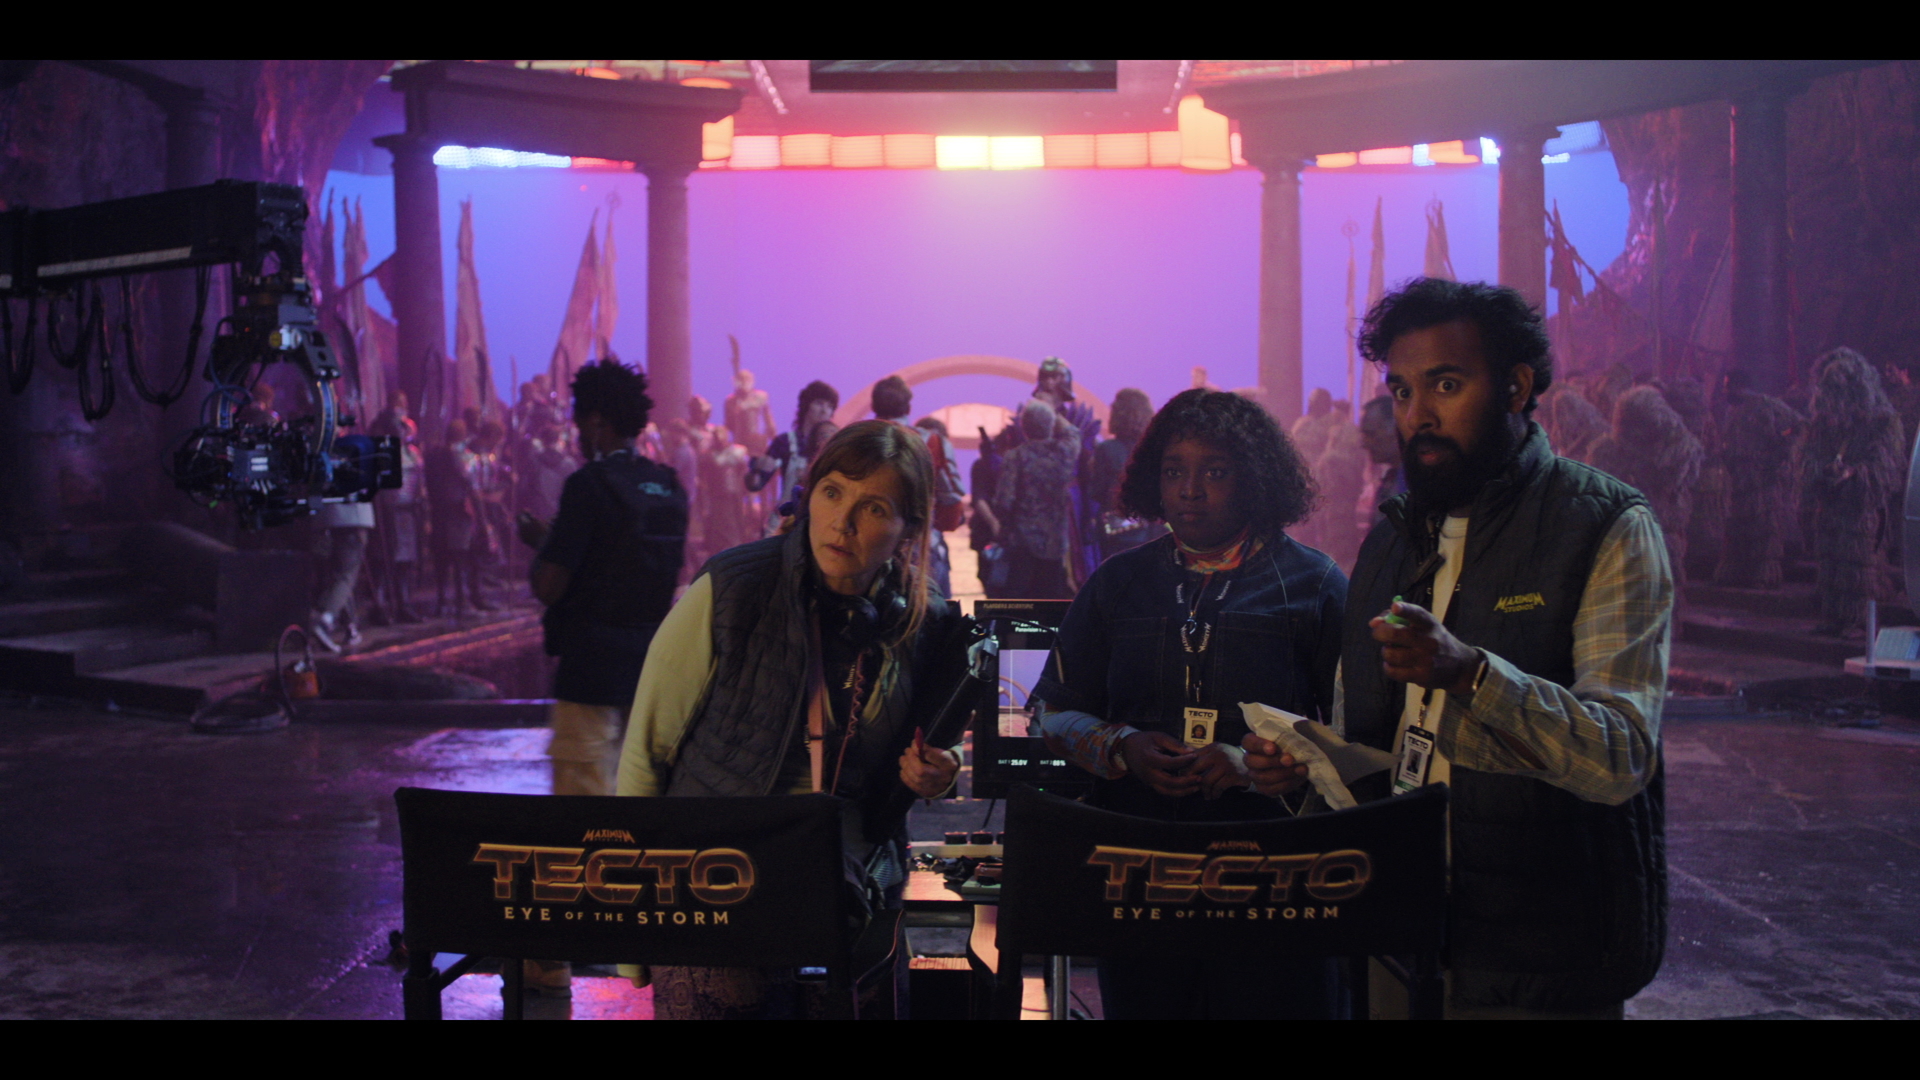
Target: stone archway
[[1026, 372]]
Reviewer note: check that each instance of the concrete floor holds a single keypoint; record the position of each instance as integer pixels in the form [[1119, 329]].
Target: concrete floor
[[149, 872]]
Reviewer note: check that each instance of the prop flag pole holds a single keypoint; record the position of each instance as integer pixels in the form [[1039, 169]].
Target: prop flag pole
[[472, 377], [576, 331]]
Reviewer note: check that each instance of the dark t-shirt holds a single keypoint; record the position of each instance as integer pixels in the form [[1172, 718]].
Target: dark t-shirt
[[621, 534]]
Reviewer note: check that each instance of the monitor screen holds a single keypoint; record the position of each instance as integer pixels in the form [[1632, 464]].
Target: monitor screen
[[977, 76], [1007, 744]]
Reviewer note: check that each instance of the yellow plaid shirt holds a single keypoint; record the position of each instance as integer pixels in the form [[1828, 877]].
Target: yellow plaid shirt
[[1600, 738]]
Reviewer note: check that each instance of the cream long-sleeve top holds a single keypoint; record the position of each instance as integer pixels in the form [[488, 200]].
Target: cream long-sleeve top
[[672, 683]]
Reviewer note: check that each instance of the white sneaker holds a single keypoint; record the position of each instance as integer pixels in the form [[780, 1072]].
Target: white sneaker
[[321, 627]]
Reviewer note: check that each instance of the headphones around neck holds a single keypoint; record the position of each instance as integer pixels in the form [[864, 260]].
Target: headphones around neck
[[861, 620]]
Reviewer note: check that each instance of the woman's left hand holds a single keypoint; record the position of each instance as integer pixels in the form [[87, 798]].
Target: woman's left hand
[[928, 771], [1221, 768]]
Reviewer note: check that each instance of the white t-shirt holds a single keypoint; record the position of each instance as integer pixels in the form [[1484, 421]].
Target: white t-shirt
[[1453, 547]]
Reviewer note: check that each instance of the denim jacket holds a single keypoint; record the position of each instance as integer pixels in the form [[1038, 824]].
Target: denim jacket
[[1275, 639]]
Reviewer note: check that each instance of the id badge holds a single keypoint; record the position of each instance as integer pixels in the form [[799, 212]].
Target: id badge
[[1416, 757], [1198, 724]]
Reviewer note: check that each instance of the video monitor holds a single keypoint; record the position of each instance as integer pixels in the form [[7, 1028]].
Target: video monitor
[[963, 76], [1007, 746]]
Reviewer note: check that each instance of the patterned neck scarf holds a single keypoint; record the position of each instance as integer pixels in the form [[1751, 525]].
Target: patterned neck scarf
[[1221, 559]]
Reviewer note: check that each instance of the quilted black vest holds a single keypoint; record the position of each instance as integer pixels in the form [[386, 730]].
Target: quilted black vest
[[756, 699], [751, 720], [1557, 903]]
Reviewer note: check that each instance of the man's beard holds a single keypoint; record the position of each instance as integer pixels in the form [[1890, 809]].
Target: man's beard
[[1455, 480]]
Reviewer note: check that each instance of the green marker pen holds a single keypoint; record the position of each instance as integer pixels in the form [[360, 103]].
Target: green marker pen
[[1392, 619]]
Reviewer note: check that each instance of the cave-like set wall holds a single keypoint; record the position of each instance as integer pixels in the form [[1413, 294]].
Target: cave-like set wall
[[1853, 148], [88, 131]]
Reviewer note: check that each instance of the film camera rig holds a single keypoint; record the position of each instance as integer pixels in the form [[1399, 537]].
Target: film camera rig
[[272, 471]]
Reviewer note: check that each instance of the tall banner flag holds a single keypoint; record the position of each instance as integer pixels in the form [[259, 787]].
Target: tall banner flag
[[1350, 229], [473, 378], [372, 348], [323, 267], [576, 331], [1377, 269], [1439, 261], [606, 312]]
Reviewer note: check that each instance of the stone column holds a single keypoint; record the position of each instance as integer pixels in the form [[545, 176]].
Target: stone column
[[1281, 370], [669, 296], [1523, 213], [1760, 298], [420, 306], [193, 159]]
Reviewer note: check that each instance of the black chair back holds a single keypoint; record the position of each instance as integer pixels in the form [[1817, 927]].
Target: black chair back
[[596, 879], [1370, 881]]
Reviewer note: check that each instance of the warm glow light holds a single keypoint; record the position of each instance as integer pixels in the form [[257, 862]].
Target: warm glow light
[[602, 164], [858, 152], [1122, 150], [756, 152], [1017, 152], [1205, 137], [1163, 148], [1450, 153], [806, 151], [1069, 151], [1388, 155], [492, 157], [965, 421], [597, 73], [962, 151], [1336, 161], [908, 151], [716, 139]]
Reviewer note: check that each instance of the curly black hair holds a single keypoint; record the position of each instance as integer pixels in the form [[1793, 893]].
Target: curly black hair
[[810, 393], [1511, 331], [615, 391], [1276, 486]]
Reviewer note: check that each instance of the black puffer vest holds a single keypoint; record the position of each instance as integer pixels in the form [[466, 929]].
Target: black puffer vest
[[756, 705], [762, 651], [1557, 903]]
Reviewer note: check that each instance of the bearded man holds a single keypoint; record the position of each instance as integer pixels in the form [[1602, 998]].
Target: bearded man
[[1506, 633]]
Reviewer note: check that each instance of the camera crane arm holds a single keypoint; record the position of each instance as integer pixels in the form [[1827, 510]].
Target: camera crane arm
[[272, 473]]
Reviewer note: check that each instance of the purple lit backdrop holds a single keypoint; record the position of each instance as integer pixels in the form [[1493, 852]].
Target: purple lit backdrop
[[1132, 276]]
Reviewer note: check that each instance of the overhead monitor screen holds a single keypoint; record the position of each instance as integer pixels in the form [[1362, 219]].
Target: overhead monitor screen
[[910, 76]]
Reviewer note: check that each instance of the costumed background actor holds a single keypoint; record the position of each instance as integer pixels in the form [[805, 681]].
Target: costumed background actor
[[787, 668]]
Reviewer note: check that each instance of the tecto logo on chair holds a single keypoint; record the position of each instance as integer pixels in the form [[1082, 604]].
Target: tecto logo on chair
[[1250, 887], [531, 879]]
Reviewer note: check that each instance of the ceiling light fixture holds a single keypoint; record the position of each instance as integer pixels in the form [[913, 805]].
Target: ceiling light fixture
[[1205, 137]]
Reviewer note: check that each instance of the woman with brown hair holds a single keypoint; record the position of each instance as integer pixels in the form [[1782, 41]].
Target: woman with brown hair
[[787, 668]]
